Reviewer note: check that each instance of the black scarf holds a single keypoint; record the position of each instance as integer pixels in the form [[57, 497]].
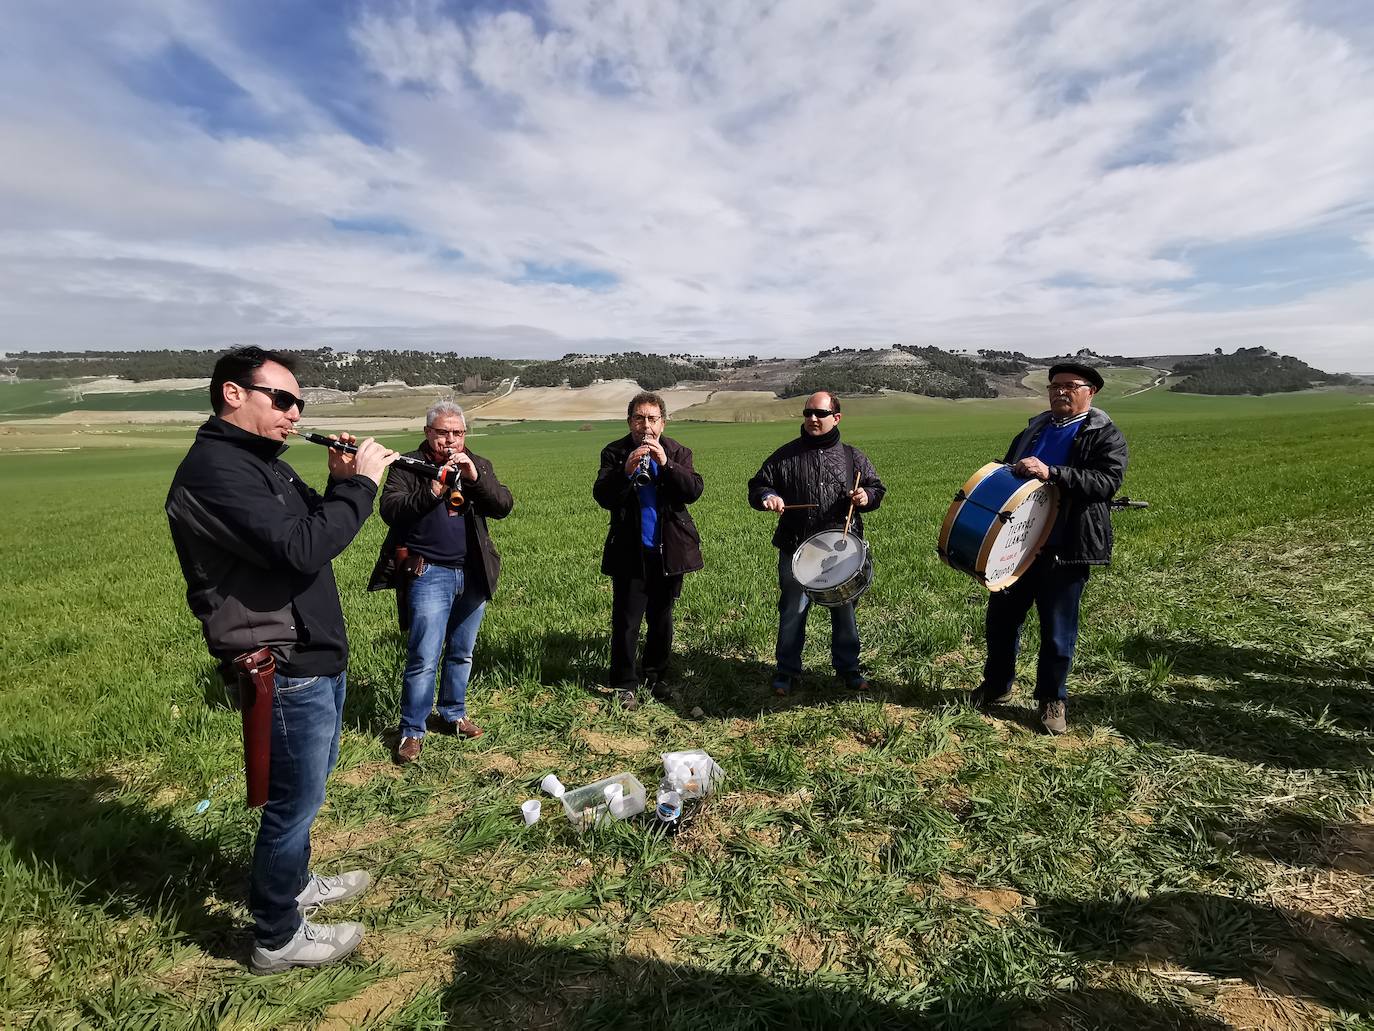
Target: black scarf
[[822, 442]]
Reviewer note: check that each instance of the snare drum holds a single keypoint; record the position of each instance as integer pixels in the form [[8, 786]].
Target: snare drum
[[833, 567], [997, 525]]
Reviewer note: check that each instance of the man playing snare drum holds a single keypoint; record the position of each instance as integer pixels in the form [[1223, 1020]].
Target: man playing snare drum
[[810, 483], [1079, 450]]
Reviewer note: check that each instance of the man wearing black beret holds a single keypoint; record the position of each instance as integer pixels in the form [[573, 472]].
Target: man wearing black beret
[[1079, 449]]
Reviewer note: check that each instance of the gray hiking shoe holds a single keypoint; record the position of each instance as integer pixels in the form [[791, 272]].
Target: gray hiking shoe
[[322, 891], [313, 945], [984, 696], [1052, 717]]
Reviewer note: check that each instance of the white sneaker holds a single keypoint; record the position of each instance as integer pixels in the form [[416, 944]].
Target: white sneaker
[[322, 891], [313, 945]]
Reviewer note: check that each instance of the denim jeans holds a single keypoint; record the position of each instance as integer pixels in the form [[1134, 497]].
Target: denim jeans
[[307, 715], [793, 606], [1055, 591], [444, 618]]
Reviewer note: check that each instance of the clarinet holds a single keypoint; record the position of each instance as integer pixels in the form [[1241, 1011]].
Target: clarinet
[[434, 472]]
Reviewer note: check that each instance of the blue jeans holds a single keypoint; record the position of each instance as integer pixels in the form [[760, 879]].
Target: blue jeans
[[793, 606], [444, 618], [307, 715], [1055, 591]]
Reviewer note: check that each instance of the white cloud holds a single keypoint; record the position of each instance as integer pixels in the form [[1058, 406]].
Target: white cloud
[[753, 177]]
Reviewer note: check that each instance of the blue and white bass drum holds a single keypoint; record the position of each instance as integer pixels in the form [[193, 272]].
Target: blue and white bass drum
[[997, 525]]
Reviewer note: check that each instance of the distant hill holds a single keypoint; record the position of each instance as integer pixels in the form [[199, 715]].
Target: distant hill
[[1251, 370], [930, 371]]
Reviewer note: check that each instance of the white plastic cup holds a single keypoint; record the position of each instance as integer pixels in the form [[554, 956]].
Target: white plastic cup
[[530, 811], [618, 806], [613, 792], [553, 786]]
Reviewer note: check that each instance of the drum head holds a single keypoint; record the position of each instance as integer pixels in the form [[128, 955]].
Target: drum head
[[1019, 539], [827, 559]]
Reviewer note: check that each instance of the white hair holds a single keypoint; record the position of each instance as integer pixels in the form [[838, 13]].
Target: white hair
[[440, 409]]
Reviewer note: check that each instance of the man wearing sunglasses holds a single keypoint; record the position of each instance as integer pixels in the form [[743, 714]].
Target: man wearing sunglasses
[[809, 483], [1079, 449], [255, 545], [440, 559]]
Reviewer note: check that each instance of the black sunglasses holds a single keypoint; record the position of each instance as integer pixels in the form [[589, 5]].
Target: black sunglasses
[[282, 400], [819, 413]]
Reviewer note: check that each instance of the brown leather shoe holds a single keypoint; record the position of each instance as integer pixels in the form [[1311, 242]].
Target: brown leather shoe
[[467, 728], [409, 750]]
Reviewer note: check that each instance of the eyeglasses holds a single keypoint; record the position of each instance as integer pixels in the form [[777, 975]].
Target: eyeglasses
[[1065, 388], [819, 413], [282, 400], [637, 417], [445, 433]]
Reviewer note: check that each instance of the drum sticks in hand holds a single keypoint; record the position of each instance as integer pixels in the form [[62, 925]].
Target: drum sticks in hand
[[850, 518]]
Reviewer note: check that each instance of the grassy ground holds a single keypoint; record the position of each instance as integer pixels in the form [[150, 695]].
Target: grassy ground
[[1198, 852]]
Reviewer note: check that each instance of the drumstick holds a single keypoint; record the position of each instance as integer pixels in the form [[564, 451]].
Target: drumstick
[[849, 518], [785, 507]]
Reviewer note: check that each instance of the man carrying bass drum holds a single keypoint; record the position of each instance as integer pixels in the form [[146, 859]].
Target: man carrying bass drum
[[810, 482], [1079, 450]]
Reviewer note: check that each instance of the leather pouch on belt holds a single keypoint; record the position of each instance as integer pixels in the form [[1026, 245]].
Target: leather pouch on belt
[[256, 672], [409, 566]]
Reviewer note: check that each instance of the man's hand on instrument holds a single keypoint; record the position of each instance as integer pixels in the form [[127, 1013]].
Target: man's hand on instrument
[[342, 464], [773, 503], [859, 496], [1032, 468], [656, 449], [371, 460], [467, 469], [632, 463]]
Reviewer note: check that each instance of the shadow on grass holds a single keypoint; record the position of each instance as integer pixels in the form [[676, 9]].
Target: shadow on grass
[[1327, 960], [1270, 723], [1339, 693], [122, 857], [1305, 839], [504, 982]]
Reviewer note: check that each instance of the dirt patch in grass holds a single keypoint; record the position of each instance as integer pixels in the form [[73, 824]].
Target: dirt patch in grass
[[652, 943], [361, 774], [1247, 1008], [805, 949], [997, 903], [383, 996], [504, 766], [613, 744], [844, 746]]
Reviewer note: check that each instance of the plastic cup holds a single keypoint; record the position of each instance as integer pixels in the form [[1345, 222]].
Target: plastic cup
[[553, 786], [530, 811], [613, 792]]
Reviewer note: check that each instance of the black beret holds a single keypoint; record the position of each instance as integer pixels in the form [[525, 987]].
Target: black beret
[[1086, 371]]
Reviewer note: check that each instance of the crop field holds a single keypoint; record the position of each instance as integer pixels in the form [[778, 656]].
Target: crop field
[[1198, 851]]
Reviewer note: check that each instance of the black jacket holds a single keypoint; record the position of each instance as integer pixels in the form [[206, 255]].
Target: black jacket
[[1092, 475], [407, 498], [255, 545], [805, 475], [678, 486]]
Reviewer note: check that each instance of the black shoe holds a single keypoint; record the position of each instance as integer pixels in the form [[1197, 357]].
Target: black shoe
[[628, 699], [784, 685], [985, 697], [658, 687]]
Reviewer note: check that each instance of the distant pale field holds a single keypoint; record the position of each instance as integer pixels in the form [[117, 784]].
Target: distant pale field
[[1197, 853]]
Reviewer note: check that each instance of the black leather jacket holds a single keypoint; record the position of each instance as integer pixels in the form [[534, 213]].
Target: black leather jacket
[[407, 497], [255, 545], [1086, 482], [804, 475], [678, 486]]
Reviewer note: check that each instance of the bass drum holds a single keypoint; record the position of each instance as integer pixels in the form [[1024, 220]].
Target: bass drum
[[833, 567], [997, 525]]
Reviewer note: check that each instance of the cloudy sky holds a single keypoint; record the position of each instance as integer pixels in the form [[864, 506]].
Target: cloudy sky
[[712, 176]]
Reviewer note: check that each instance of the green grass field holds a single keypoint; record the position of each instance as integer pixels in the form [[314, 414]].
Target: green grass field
[[1198, 852]]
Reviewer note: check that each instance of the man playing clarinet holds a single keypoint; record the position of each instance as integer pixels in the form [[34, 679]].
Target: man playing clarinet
[[255, 545]]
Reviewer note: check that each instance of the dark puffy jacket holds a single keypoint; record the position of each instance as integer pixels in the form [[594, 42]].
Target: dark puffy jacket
[[1087, 482], [407, 498], [804, 475], [255, 545], [678, 486]]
